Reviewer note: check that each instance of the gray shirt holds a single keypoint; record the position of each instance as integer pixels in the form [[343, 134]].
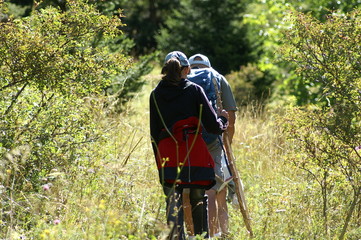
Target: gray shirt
[[229, 104]]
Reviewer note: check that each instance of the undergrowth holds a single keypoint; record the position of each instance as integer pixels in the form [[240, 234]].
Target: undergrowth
[[113, 192]]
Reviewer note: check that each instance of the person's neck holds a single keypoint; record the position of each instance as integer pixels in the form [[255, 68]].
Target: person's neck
[[185, 72]]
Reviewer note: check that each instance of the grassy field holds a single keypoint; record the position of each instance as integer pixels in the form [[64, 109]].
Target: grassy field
[[115, 193], [259, 151]]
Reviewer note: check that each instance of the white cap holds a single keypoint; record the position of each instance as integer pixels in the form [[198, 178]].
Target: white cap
[[201, 59]]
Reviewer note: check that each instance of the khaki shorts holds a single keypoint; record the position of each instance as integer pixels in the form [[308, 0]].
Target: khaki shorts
[[220, 167]]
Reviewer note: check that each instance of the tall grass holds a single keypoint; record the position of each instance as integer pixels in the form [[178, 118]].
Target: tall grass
[[259, 149], [114, 192]]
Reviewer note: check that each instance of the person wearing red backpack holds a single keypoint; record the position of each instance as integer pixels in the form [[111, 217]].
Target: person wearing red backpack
[[179, 109], [212, 82]]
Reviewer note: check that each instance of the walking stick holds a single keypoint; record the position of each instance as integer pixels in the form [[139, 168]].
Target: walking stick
[[237, 180], [238, 184]]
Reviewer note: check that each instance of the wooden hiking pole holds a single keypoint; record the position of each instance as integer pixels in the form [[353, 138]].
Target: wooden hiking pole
[[231, 161], [238, 184]]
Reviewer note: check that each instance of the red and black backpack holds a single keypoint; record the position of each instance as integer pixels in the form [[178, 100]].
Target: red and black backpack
[[183, 157]]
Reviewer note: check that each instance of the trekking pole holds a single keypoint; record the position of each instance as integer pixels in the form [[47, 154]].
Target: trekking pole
[[238, 184], [237, 180]]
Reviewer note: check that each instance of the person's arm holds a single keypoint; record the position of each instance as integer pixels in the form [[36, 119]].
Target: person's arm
[[229, 104], [231, 125], [211, 122]]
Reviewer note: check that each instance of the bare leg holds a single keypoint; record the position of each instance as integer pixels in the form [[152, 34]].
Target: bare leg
[[187, 208], [222, 210], [212, 212]]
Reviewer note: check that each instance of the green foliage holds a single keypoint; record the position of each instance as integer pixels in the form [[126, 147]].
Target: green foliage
[[249, 84], [52, 50], [143, 18], [328, 58], [265, 22], [50, 74], [105, 194], [209, 27], [320, 9], [124, 85], [17, 10], [231, 33], [127, 85]]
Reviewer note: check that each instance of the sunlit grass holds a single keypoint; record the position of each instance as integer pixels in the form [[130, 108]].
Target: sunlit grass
[[115, 192]]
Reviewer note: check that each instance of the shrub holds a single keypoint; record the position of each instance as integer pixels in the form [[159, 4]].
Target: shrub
[[328, 58], [249, 85], [50, 74]]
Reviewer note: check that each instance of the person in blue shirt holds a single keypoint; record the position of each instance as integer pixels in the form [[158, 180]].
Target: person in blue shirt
[[217, 195]]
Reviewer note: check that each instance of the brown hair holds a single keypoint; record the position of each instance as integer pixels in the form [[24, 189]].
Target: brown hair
[[172, 71]]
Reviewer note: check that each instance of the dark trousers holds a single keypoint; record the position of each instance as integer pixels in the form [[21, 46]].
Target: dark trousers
[[175, 214]]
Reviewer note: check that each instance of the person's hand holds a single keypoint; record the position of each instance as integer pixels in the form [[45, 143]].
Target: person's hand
[[224, 113]]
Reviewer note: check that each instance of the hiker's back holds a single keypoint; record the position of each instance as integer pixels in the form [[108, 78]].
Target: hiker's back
[[207, 79]]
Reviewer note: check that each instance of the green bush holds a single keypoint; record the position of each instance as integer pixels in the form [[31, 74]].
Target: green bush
[[249, 85], [51, 81], [327, 56]]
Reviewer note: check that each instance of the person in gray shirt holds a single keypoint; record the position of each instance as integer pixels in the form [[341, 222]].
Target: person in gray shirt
[[217, 195]]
